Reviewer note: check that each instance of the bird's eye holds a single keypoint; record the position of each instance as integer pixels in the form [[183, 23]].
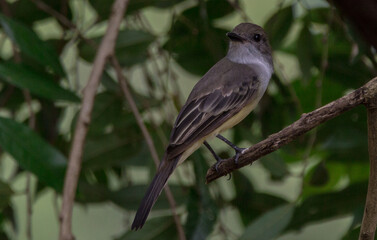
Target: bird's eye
[[257, 37]]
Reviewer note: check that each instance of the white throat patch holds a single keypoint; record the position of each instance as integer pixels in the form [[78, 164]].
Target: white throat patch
[[249, 55]]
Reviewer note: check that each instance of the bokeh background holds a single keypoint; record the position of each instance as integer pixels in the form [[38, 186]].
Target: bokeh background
[[314, 188]]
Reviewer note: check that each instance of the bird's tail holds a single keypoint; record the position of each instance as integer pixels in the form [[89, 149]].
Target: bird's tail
[[154, 190]]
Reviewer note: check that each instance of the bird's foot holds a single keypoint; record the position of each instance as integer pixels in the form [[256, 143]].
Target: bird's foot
[[238, 151], [219, 160]]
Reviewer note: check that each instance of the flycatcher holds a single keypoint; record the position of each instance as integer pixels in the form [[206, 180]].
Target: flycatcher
[[224, 96]]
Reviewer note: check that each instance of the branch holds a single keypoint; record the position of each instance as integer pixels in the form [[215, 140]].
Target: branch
[[304, 124], [66, 22], [28, 190], [63, 20], [148, 139], [105, 50], [60, 17], [368, 225]]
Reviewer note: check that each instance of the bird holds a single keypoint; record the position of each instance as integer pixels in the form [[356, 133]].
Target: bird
[[223, 97]]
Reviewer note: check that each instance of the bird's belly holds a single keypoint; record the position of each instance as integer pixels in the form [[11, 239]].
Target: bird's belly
[[228, 124]]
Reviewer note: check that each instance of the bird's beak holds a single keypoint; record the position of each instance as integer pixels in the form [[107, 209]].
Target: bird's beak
[[235, 37]]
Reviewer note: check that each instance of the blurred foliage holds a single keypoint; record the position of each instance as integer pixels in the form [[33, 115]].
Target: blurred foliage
[[333, 184]]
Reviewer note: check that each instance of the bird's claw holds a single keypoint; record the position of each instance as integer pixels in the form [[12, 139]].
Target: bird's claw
[[218, 163], [217, 168], [239, 151]]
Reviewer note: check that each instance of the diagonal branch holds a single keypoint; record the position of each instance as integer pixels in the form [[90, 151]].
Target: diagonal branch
[[105, 50], [148, 138], [67, 23], [60, 17], [307, 122]]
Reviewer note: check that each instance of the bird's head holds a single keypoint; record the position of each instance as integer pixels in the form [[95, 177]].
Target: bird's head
[[247, 42]]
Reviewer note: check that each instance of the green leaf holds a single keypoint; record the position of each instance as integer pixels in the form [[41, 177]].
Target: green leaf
[[8, 213], [114, 150], [275, 165], [33, 153], [109, 83], [304, 52], [345, 138], [257, 203], [31, 45], [13, 97], [329, 205], [130, 197], [197, 53], [219, 8], [270, 224], [350, 74], [323, 178], [202, 209], [91, 193], [320, 15], [33, 13], [131, 47], [194, 41], [114, 137], [284, 110], [108, 111], [3, 235], [277, 27], [154, 229], [354, 229], [103, 8], [320, 175], [5, 194], [37, 83], [358, 214], [357, 171], [353, 234]]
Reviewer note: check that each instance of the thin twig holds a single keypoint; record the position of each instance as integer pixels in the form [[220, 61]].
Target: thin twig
[[149, 141], [166, 74], [63, 20], [304, 124], [235, 4], [60, 17], [134, 109], [29, 201], [105, 50], [318, 97], [279, 67], [29, 207], [368, 225], [69, 24]]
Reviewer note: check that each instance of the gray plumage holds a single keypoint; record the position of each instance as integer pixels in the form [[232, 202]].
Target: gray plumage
[[212, 102], [221, 98]]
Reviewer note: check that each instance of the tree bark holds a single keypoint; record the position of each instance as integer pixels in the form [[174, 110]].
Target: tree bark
[[105, 50], [369, 223], [307, 122]]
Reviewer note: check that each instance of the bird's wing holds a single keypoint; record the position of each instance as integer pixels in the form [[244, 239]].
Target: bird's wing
[[201, 116]]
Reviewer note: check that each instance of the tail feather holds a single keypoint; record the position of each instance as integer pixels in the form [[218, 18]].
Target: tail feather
[[154, 190]]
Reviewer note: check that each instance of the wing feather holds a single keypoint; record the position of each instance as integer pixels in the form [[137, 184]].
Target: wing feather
[[202, 116]]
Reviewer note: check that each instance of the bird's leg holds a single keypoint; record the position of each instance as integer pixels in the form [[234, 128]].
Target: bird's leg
[[218, 159], [236, 149]]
